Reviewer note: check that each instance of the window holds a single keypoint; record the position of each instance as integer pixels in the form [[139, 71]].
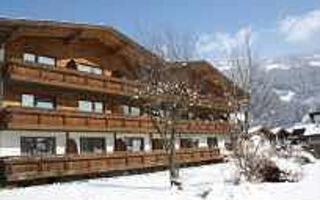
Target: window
[[129, 110], [135, 111], [46, 60], [189, 143], [212, 142], [126, 110], [38, 145], [2, 54], [46, 103], [134, 144], [98, 107], [89, 69], [28, 57], [90, 106], [96, 70], [33, 58], [85, 106], [92, 145], [83, 68], [27, 100]]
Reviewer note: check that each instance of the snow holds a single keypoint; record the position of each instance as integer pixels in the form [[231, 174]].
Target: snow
[[255, 129], [276, 130], [291, 168], [205, 182], [288, 96], [314, 63], [310, 128], [285, 95], [277, 66]]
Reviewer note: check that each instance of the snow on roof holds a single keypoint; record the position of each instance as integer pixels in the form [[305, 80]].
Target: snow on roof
[[255, 128], [275, 130], [310, 128]]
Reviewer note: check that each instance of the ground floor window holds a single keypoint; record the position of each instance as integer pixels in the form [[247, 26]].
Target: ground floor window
[[38, 145], [212, 142], [92, 145], [186, 143], [134, 144]]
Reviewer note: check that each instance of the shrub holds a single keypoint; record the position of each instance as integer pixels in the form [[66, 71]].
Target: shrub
[[257, 160]]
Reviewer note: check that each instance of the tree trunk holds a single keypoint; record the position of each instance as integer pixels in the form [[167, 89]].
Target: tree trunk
[[172, 154]]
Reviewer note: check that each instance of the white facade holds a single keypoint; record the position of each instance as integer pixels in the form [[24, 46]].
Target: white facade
[[10, 141]]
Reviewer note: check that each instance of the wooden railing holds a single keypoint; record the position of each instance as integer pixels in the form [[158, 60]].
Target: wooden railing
[[68, 78], [31, 168], [30, 118]]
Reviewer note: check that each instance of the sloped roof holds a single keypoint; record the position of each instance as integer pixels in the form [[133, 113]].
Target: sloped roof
[[309, 128], [13, 28], [201, 73]]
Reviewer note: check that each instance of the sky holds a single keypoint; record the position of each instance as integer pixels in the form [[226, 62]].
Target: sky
[[278, 27]]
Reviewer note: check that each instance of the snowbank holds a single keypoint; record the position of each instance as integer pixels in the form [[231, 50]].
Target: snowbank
[[205, 182]]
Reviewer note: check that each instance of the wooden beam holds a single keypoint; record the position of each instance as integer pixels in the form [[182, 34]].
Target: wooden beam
[[10, 34], [73, 37]]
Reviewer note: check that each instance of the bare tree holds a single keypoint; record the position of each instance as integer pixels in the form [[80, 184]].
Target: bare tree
[[240, 59], [256, 97], [168, 97]]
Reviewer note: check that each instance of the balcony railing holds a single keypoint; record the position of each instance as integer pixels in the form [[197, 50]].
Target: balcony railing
[[70, 78], [17, 169], [37, 119], [67, 78]]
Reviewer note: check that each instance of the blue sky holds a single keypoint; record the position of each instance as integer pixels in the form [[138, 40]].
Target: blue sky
[[279, 26]]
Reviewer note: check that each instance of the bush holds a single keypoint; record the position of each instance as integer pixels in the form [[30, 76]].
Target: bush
[[269, 172], [290, 170], [258, 161]]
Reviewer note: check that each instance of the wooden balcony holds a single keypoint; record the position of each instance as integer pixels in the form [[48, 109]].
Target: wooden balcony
[[37, 119], [17, 169], [68, 78], [72, 79]]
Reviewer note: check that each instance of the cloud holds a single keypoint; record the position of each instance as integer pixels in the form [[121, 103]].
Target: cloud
[[302, 28], [218, 46]]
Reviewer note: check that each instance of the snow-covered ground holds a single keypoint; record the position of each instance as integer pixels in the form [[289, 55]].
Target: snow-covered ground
[[197, 180]]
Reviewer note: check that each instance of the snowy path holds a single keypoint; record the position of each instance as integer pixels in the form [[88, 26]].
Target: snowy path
[[154, 186]]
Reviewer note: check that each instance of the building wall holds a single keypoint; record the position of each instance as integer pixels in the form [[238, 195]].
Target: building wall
[[10, 141]]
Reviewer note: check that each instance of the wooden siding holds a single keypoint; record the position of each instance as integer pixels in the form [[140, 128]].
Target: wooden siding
[[31, 168], [37, 119]]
